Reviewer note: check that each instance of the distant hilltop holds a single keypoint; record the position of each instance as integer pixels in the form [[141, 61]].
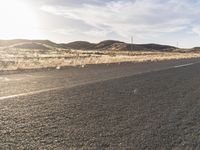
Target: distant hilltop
[[118, 45], [109, 45]]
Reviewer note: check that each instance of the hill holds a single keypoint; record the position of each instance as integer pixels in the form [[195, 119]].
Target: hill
[[32, 45], [8, 43], [117, 45], [109, 45], [82, 45]]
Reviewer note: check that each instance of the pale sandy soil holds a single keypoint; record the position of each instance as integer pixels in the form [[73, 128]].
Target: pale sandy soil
[[13, 58]]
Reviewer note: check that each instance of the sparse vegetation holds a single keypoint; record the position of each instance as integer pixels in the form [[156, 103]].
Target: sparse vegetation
[[19, 58]]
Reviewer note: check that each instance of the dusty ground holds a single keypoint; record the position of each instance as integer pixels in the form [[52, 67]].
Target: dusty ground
[[16, 58]]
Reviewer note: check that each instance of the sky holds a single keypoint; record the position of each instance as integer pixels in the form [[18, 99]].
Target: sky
[[171, 22]]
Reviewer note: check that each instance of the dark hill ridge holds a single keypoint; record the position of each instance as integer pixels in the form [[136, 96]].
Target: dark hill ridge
[[196, 49], [84, 45], [118, 45]]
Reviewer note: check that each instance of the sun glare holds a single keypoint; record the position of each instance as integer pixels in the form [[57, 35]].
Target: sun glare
[[17, 20]]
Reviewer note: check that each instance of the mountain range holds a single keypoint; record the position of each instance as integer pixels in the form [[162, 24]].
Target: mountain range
[[110, 45]]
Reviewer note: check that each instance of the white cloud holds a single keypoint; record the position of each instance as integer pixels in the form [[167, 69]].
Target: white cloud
[[196, 30], [143, 18]]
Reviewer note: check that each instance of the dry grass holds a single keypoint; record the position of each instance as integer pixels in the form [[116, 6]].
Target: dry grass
[[13, 58]]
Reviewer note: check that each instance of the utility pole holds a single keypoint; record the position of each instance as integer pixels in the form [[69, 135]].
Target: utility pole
[[131, 43], [177, 44]]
